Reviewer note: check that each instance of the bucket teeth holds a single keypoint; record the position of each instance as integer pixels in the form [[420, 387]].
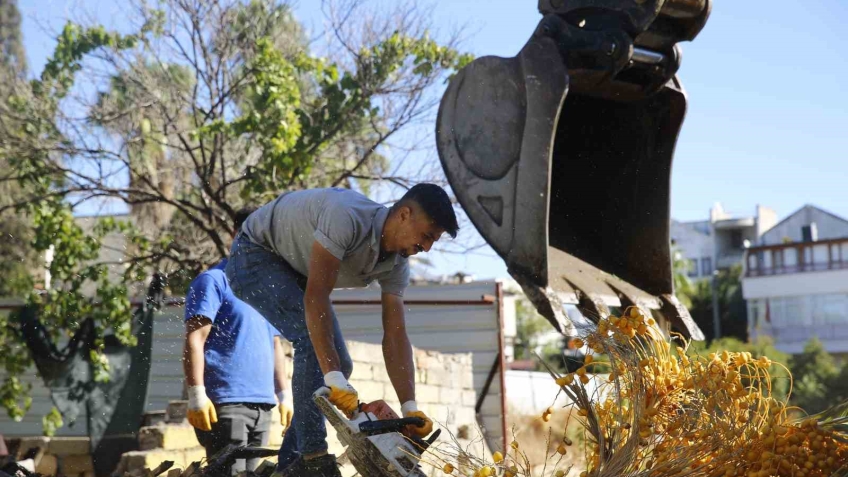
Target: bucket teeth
[[680, 318]]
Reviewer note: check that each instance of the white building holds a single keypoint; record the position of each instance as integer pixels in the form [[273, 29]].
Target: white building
[[796, 282], [695, 241], [719, 242]]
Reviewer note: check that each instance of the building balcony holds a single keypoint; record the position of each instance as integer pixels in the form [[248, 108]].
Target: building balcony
[[739, 223], [730, 258], [797, 257]]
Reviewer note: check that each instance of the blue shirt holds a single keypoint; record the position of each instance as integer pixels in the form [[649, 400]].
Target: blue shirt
[[239, 351]]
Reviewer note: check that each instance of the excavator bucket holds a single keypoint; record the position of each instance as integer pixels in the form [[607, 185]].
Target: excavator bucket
[[561, 156]]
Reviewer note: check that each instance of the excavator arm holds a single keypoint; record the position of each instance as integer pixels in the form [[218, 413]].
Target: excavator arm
[[561, 155]]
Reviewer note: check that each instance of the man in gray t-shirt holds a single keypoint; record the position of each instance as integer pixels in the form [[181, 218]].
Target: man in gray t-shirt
[[290, 255]]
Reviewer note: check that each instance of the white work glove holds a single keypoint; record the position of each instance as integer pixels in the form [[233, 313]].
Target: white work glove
[[342, 394], [201, 411], [410, 409], [286, 407]]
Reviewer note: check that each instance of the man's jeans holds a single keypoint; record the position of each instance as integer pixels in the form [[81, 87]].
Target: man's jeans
[[269, 284], [241, 424]]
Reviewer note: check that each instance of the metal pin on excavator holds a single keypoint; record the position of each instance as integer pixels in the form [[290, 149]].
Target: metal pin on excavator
[[561, 156]]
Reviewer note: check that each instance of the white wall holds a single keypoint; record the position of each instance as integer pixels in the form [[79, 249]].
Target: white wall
[[766, 219], [695, 241], [712, 238], [531, 392], [792, 321], [793, 308], [795, 284], [828, 226], [510, 324]]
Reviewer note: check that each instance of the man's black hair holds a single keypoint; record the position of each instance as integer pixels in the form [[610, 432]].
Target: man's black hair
[[434, 201], [241, 216]]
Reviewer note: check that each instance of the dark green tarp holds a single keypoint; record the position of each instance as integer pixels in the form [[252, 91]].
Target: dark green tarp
[[113, 409]]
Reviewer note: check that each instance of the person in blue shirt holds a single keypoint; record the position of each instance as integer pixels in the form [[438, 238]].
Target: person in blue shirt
[[234, 366]]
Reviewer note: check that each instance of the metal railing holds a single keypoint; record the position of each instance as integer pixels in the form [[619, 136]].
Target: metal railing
[[797, 257]]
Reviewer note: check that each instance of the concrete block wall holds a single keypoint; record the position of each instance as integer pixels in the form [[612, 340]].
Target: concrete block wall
[[443, 383], [174, 439], [66, 456]]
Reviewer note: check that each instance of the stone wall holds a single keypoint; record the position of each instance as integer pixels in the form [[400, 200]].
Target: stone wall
[[444, 385], [67, 456]]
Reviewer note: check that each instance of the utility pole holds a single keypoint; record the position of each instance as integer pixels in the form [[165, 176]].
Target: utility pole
[[716, 321]]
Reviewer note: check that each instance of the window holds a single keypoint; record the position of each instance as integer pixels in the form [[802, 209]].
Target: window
[[831, 309], [693, 267], [736, 239], [777, 259], [754, 314], [706, 266], [789, 311]]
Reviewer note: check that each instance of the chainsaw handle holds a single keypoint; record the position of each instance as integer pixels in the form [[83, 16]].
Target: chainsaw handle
[[370, 428]]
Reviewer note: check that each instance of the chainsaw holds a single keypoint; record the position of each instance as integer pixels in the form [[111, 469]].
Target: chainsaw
[[378, 441]]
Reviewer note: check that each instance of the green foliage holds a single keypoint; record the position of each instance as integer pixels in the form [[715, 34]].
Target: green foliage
[[14, 394], [292, 135], [64, 305], [733, 312], [683, 288], [16, 259], [273, 119], [529, 326], [73, 44], [242, 114], [12, 55], [52, 422], [816, 375]]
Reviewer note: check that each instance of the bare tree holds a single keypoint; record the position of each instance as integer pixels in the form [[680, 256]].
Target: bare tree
[[221, 103]]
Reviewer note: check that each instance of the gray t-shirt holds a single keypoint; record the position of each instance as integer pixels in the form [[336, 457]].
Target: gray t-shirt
[[346, 223]]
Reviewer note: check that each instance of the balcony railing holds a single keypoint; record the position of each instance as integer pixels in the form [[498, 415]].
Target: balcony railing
[[797, 257]]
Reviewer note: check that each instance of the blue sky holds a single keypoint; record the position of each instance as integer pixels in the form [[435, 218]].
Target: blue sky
[[766, 79]]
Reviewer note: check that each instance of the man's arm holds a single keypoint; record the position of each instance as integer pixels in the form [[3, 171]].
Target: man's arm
[[397, 350], [323, 272], [201, 412], [197, 331]]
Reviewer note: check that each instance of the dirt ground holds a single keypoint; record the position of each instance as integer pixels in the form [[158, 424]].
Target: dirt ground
[[532, 434]]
